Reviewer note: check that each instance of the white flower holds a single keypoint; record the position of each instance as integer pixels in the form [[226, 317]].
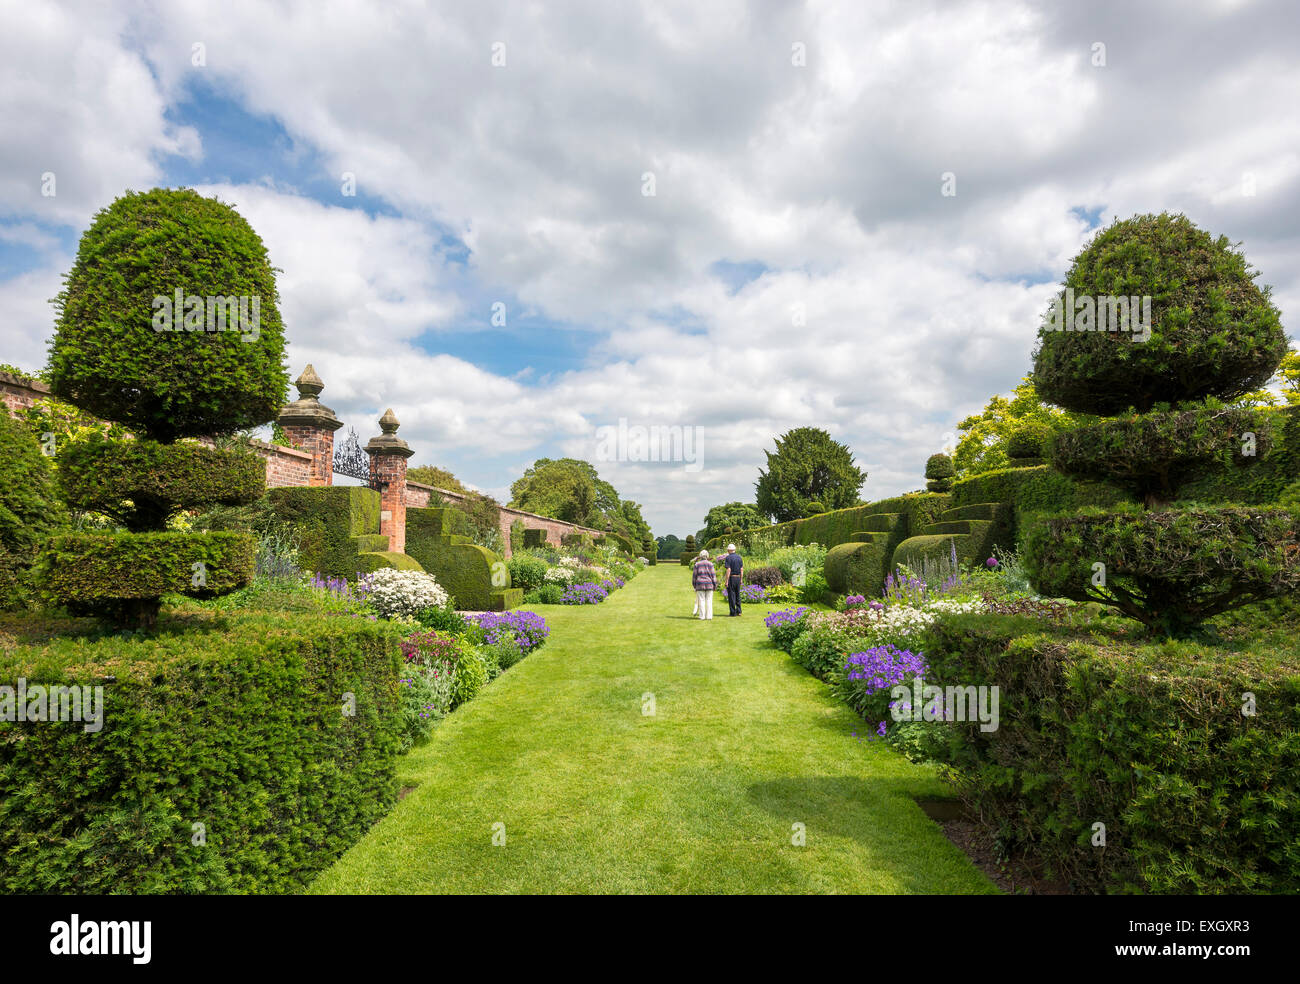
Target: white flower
[[397, 593]]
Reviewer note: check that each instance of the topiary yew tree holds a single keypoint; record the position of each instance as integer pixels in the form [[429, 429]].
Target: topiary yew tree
[[166, 381], [1214, 336], [939, 472]]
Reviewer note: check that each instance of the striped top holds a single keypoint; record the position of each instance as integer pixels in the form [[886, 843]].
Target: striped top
[[704, 577]]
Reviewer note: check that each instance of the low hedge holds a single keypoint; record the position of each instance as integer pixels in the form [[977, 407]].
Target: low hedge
[[237, 724], [916, 510], [1149, 740], [98, 475]]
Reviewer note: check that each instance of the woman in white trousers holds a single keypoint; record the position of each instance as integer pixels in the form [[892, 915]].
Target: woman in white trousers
[[704, 579]]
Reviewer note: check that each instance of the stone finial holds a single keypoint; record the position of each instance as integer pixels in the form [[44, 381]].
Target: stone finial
[[309, 384], [388, 442], [307, 411]]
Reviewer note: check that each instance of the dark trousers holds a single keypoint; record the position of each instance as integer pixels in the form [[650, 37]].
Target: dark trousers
[[733, 595]]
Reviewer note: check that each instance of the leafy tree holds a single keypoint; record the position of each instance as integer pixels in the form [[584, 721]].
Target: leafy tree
[[807, 466], [1213, 331], [669, 547], [982, 445], [728, 517], [572, 490], [439, 478], [1289, 371]]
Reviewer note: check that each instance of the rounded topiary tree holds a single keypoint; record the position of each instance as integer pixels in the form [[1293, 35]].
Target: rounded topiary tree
[[29, 509], [167, 324], [939, 473], [815, 508], [1029, 441], [1214, 336]]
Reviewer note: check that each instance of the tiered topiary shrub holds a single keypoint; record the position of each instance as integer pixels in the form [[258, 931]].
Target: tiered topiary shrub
[[167, 325], [1214, 336], [939, 473], [648, 549], [689, 551]]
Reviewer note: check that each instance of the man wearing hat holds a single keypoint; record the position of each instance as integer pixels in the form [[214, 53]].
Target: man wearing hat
[[734, 566]]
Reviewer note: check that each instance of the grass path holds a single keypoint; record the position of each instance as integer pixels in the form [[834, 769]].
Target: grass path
[[700, 797]]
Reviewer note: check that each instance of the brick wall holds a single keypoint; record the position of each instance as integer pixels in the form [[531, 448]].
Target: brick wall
[[417, 495], [19, 392]]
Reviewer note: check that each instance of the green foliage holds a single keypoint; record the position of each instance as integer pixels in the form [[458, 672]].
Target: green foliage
[[731, 515], [1168, 570], [329, 520], [1214, 332], [235, 724], [476, 577], [29, 509], [116, 575], [526, 571], [140, 484], [473, 671], [1197, 797], [1030, 440], [984, 436], [807, 466], [106, 357], [1153, 455], [571, 490], [439, 478], [668, 547], [939, 472], [822, 650]]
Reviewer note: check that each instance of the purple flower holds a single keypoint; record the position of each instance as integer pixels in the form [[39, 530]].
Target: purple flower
[[992, 562]]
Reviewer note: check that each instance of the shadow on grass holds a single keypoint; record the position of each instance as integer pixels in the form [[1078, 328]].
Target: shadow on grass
[[880, 814]]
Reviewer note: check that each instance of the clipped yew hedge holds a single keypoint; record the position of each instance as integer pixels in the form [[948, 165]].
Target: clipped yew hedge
[[237, 725], [1149, 740], [98, 475]]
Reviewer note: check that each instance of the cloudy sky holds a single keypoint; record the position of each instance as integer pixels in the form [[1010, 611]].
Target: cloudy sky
[[729, 217]]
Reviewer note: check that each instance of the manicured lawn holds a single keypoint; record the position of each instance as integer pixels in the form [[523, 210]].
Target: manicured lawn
[[700, 797]]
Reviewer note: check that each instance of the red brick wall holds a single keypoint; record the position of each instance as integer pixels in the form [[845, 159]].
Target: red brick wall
[[19, 393], [417, 496], [318, 442]]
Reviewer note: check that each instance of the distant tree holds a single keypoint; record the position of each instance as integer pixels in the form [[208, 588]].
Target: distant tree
[[439, 478], [669, 547], [569, 488], [1289, 373], [730, 517], [807, 466]]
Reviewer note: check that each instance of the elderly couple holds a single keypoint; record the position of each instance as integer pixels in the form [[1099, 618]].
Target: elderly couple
[[704, 579]]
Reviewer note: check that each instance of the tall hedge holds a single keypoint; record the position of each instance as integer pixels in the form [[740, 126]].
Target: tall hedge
[[29, 509], [476, 577], [230, 759], [1196, 797]]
